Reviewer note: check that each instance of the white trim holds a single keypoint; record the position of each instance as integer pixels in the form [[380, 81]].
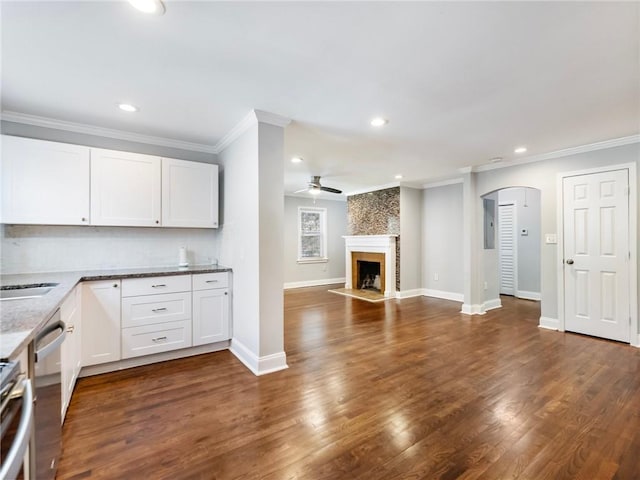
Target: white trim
[[37, 121], [528, 295], [371, 189], [443, 183], [549, 323], [303, 261], [313, 283], [252, 118], [331, 197], [153, 358], [637, 341], [492, 304], [591, 147], [633, 239], [465, 169], [258, 365], [476, 309], [454, 296], [416, 292]]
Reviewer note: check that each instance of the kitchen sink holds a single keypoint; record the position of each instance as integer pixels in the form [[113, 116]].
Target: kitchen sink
[[18, 292]]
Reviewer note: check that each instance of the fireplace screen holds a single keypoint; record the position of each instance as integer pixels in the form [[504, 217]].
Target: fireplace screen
[[369, 275]]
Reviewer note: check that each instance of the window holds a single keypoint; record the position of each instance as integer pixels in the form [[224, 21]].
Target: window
[[312, 235]]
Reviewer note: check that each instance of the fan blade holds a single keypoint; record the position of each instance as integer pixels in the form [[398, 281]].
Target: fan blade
[[303, 190], [329, 189]]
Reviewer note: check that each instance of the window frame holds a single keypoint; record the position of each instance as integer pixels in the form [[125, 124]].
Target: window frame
[[323, 258]]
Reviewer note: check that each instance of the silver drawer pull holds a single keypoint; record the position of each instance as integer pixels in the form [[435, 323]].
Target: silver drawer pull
[[211, 281], [159, 339], [159, 285], [163, 309]]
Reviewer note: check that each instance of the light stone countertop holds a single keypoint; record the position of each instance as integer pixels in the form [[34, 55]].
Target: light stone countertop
[[21, 319]]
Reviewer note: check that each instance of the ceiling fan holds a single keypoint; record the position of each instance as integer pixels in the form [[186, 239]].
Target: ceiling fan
[[315, 187]]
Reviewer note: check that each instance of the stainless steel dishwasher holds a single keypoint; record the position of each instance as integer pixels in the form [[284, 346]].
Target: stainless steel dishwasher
[[46, 443]]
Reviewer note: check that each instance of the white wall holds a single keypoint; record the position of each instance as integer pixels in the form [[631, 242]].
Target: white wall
[[543, 176], [296, 274], [527, 202], [410, 239], [251, 242], [48, 248], [442, 239]]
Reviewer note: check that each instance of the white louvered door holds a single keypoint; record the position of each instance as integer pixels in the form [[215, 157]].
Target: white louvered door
[[507, 248], [596, 254]]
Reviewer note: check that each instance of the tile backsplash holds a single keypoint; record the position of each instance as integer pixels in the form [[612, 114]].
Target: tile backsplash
[[50, 248]]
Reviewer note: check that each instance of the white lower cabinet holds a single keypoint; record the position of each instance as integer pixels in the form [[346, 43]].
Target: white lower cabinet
[[155, 322], [101, 327], [211, 322], [71, 351]]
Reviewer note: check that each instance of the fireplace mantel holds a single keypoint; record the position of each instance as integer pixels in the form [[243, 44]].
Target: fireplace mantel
[[385, 244]]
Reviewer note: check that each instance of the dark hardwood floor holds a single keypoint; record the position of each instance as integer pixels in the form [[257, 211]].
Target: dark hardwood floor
[[405, 389]]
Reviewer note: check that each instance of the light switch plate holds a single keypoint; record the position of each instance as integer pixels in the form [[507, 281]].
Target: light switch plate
[[550, 238]]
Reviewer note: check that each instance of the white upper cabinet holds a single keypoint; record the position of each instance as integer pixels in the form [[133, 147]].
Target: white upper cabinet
[[44, 182], [189, 194], [125, 188]]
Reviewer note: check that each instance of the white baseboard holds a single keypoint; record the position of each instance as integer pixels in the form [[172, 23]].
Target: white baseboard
[[492, 304], [637, 342], [313, 283], [155, 358], [528, 295], [456, 297], [416, 292], [258, 365], [549, 323], [475, 309]]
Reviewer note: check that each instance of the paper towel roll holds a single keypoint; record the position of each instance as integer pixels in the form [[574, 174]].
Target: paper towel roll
[[182, 257]]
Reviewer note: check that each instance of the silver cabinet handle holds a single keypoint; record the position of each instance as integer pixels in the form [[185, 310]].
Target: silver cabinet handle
[[159, 339], [163, 309], [570, 261], [211, 281], [12, 462], [71, 328], [115, 285], [159, 285]]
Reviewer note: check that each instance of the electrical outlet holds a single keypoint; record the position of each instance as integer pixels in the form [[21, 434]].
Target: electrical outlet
[[436, 277]]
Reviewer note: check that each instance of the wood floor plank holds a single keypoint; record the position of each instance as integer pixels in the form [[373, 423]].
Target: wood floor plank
[[406, 389]]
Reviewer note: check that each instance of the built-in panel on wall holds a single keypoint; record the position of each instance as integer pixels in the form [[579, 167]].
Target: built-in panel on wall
[[189, 194], [44, 182]]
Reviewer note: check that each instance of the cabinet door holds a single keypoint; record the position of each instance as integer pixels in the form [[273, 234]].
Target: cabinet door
[[69, 313], [189, 194], [210, 316], [101, 322], [125, 189], [44, 182]]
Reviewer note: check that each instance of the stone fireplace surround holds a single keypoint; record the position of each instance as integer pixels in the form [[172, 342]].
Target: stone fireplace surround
[[385, 244]]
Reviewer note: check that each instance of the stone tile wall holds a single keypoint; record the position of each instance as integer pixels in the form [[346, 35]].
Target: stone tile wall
[[376, 213]]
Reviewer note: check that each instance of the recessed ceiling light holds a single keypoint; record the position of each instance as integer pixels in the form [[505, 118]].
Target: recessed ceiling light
[[296, 160], [127, 107], [152, 7], [520, 150], [398, 177], [379, 122]]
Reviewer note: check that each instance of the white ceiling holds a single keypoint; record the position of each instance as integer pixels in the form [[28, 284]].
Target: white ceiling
[[460, 82]]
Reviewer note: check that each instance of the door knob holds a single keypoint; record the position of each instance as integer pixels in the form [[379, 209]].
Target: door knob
[[570, 262]]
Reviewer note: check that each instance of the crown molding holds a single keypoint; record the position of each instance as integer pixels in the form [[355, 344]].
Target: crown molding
[[372, 189], [37, 121], [252, 118], [591, 147], [334, 198], [443, 183]]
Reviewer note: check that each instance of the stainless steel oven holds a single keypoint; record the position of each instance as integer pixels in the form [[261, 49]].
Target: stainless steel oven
[[46, 443], [16, 414]]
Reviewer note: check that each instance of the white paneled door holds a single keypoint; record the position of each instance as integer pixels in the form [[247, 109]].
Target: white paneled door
[[507, 248], [596, 254]]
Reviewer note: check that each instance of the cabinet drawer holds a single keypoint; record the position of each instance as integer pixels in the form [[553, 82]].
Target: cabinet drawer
[[205, 281], [152, 285], [149, 339], [152, 309]]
